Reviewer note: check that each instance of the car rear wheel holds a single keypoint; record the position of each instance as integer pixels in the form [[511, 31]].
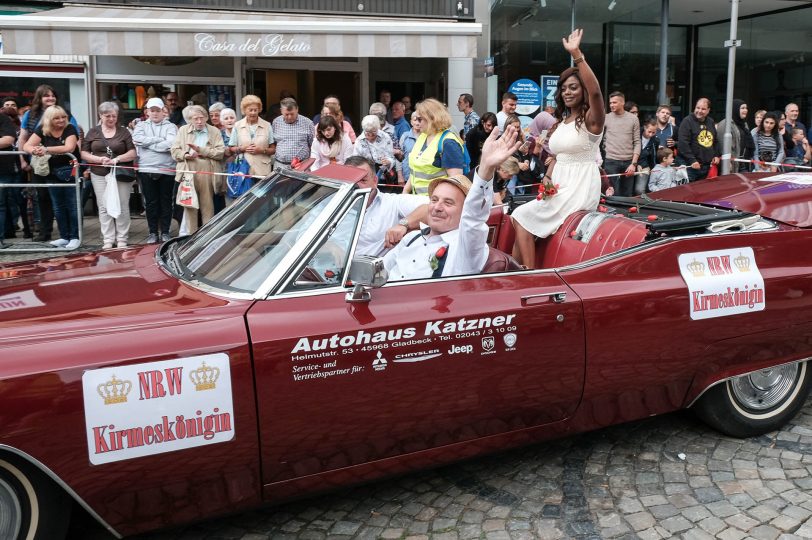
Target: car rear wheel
[[757, 402], [31, 505]]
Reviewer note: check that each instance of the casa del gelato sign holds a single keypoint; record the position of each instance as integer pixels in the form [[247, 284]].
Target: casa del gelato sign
[[262, 45]]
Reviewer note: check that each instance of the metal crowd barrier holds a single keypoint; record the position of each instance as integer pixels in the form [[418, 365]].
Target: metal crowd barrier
[[30, 245]]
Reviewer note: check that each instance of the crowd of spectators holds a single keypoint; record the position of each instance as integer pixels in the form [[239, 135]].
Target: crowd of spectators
[[408, 147]]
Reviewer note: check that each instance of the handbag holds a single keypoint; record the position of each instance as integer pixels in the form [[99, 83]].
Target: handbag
[[238, 180], [388, 176], [187, 195], [111, 201], [123, 174], [40, 165], [64, 173]]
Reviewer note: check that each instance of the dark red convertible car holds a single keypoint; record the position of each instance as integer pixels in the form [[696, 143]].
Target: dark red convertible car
[[260, 359]]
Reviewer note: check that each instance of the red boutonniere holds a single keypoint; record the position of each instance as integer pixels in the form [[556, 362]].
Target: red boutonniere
[[548, 190], [434, 262]]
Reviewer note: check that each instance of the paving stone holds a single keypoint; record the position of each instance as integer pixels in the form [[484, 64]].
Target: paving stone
[[441, 524], [640, 521], [676, 524], [696, 534], [712, 525], [764, 532]]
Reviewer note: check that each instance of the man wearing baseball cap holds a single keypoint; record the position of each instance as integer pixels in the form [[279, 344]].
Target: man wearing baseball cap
[[153, 138], [455, 242]]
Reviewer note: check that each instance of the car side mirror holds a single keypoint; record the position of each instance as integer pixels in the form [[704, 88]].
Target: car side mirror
[[366, 272]]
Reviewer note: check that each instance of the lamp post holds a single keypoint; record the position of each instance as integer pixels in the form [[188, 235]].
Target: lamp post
[[731, 44]]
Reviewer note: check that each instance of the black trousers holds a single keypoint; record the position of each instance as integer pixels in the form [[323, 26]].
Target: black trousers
[[158, 199], [624, 185]]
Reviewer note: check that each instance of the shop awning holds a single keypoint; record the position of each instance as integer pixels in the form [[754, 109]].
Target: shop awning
[[115, 31]]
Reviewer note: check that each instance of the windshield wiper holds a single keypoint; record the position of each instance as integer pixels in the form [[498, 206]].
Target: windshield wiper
[[173, 259]]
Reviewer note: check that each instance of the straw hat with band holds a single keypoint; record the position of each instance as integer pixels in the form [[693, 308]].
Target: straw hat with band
[[460, 181]]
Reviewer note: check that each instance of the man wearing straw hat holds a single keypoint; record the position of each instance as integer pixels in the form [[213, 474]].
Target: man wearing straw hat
[[455, 241]]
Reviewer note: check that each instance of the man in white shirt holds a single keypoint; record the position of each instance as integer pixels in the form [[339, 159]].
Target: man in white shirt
[[456, 242], [388, 215], [509, 101]]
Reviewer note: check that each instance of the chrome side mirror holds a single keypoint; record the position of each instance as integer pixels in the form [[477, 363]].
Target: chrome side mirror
[[366, 272]]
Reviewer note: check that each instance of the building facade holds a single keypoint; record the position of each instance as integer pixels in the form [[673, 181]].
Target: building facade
[[223, 49]]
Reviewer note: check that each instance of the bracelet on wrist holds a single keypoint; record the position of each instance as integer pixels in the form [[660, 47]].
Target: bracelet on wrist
[[578, 60]]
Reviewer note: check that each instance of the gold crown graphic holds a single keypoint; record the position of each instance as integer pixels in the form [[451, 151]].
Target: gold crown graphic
[[742, 263], [696, 268], [114, 391], [205, 377]]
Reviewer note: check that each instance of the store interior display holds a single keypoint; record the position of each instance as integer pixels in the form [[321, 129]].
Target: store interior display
[[131, 97]]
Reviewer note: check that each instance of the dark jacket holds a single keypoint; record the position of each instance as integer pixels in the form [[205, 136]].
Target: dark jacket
[[648, 154], [698, 141]]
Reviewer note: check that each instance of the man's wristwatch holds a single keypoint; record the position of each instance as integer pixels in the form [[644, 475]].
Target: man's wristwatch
[[404, 222]]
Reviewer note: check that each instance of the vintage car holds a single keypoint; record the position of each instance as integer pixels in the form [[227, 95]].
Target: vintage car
[[260, 359]]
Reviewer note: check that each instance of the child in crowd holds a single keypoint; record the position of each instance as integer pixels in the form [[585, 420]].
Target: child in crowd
[[664, 176], [800, 152]]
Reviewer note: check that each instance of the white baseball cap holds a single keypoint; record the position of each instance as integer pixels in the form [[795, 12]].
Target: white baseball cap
[[155, 102]]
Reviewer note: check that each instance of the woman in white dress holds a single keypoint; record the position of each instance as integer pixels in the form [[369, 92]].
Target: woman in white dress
[[573, 173]]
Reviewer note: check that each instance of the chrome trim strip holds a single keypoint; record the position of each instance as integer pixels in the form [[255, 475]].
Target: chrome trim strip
[[60, 483], [807, 359]]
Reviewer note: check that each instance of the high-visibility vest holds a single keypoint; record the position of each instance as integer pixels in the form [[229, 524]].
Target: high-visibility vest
[[421, 163]]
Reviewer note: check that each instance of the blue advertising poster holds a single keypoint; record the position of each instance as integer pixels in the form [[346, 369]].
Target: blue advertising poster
[[549, 84], [528, 96]]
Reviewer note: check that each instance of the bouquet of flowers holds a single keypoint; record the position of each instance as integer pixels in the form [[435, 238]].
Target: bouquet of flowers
[[547, 189]]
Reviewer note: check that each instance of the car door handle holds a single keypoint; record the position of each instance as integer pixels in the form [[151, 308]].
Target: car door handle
[[558, 297]]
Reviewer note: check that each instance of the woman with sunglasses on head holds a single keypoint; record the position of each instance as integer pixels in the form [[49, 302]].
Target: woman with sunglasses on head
[[104, 145]]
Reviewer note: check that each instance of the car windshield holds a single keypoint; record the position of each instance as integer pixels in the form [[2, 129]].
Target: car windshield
[[239, 250]]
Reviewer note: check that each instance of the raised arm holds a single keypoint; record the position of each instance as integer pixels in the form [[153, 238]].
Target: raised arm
[[596, 114]]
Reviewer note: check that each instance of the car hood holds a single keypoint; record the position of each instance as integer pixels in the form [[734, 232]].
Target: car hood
[[783, 197], [82, 292]]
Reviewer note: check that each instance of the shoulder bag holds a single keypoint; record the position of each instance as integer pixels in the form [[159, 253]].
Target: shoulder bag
[[124, 171], [238, 180]]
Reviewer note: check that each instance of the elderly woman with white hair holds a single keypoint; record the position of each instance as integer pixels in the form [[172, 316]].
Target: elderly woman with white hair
[[200, 146], [215, 109], [376, 145]]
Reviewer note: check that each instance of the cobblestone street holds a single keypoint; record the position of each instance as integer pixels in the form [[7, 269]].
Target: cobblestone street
[[666, 477]]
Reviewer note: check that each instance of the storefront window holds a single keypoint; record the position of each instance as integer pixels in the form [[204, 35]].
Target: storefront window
[[634, 65], [773, 65], [622, 44]]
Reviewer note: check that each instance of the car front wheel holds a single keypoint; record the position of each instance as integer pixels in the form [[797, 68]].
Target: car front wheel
[[757, 402], [31, 505]]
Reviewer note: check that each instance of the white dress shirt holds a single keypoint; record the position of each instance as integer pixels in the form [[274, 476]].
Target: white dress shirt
[[467, 246], [384, 212]]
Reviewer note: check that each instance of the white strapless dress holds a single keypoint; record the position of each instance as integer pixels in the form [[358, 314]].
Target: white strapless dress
[[577, 175]]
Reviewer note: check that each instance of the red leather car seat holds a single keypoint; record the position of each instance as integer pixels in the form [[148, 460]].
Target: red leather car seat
[[579, 239], [499, 261]]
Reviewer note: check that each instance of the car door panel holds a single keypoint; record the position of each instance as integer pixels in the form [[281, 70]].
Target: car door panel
[[421, 365]]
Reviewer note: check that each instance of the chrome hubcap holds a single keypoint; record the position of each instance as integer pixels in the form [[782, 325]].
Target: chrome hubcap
[[764, 389], [10, 512]]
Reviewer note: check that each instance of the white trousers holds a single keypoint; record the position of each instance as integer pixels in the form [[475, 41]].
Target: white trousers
[[114, 231]]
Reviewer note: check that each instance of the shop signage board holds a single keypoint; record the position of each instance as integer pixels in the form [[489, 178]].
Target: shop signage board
[[528, 96], [549, 84], [265, 45]]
